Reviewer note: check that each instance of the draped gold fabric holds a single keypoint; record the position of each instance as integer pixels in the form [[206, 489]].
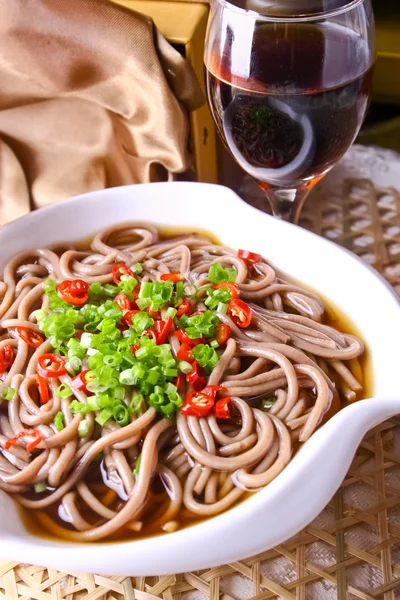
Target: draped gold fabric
[[91, 96]]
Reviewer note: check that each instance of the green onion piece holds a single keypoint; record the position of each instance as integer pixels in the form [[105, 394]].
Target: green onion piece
[[268, 403], [180, 289], [145, 289], [8, 393], [141, 321], [82, 408], [137, 268], [202, 325], [59, 421], [83, 428], [110, 290], [137, 466], [142, 303], [86, 339], [185, 367], [171, 312], [205, 356], [63, 391], [121, 415], [40, 487], [216, 297], [136, 403], [222, 308], [171, 372], [214, 344], [104, 416], [217, 274]]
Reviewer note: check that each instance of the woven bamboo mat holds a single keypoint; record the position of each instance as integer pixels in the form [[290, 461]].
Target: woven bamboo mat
[[352, 549]]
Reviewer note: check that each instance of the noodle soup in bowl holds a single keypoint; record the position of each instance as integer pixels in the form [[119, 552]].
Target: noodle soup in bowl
[[284, 368]]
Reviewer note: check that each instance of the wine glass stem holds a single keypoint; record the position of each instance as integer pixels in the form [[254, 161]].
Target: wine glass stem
[[286, 203]]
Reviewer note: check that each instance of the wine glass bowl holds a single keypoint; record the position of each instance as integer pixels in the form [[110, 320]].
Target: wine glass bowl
[[288, 84]]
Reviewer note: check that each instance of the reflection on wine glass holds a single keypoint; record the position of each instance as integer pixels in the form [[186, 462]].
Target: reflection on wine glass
[[289, 87]]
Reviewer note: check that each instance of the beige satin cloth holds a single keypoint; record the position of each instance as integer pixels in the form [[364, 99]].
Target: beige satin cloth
[[91, 96]]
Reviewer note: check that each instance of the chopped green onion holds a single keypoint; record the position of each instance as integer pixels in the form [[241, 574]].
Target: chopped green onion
[[185, 367], [104, 416], [205, 356], [137, 466], [202, 325], [126, 285], [86, 339], [222, 308], [180, 289], [63, 391], [145, 289], [121, 415], [141, 321], [170, 312], [268, 403], [83, 409], [214, 344], [142, 303], [137, 268], [40, 487], [183, 320], [59, 421], [217, 274], [83, 428], [8, 393], [136, 403], [216, 297]]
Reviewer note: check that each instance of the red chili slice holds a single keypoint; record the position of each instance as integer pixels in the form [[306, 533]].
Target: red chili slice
[[31, 337], [175, 277], [31, 433], [79, 287], [194, 378], [45, 366], [232, 287], [65, 291], [123, 301], [179, 381], [222, 333], [249, 257], [150, 333], [163, 329], [119, 270], [43, 390], [240, 313], [185, 339], [6, 357], [197, 404], [185, 353], [127, 318], [222, 408], [184, 308], [212, 390], [134, 347], [136, 291], [155, 314], [80, 383]]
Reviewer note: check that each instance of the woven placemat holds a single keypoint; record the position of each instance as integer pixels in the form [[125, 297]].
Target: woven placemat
[[352, 549]]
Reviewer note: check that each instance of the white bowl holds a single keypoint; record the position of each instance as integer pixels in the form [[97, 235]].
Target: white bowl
[[307, 484]]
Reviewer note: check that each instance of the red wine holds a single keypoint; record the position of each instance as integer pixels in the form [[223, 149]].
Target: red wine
[[289, 105]]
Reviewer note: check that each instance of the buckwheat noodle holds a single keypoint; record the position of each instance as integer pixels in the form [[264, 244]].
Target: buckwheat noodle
[[189, 466]]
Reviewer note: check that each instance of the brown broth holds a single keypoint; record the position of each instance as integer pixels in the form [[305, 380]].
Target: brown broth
[[35, 521]]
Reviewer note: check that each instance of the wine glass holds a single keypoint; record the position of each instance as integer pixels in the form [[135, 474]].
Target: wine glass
[[288, 84]]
